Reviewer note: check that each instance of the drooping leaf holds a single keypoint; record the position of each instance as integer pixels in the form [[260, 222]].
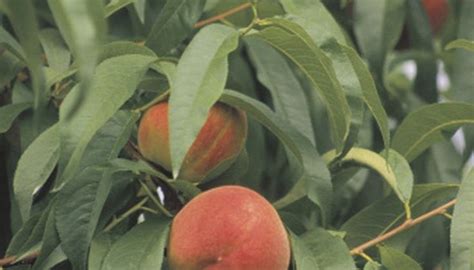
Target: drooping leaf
[[377, 27], [56, 52], [330, 251], [291, 40], [463, 60], [141, 248], [303, 259], [421, 128], [395, 170], [461, 44], [384, 214], [394, 259], [9, 113], [115, 5], [9, 42], [115, 81], [174, 23], [315, 19], [83, 27], [199, 81], [24, 22], [100, 246], [288, 95], [34, 168], [315, 180], [81, 200], [462, 233]]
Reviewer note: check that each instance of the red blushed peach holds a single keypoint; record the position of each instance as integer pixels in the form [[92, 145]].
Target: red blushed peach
[[218, 143], [229, 228]]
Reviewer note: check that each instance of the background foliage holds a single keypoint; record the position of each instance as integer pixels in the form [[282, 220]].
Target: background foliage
[[344, 141]]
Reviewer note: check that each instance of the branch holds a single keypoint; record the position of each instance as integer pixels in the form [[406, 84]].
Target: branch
[[402, 227], [221, 16], [12, 260]]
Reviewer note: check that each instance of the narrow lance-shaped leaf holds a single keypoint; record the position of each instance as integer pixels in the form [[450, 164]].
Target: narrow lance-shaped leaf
[[461, 44], [384, 214], [115, 81], [377, 27], [288, 95], [34, 168], [395, 170], [330, 251], [174, 23], [315, 19], [82, 25], [425, 126], [81, 200], [315, 180], [9, 113], [22, 16], [291, 40], [8, 42], [56, 52], [141, 248], [115, 5], [394, 259], [462, 231], [199, 82]]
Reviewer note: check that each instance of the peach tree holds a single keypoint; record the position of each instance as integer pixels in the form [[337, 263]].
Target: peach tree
[[237, 134]]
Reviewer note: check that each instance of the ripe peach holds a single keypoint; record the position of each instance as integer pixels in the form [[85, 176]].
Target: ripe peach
[[217, 145], [437, 11], [228, 227]]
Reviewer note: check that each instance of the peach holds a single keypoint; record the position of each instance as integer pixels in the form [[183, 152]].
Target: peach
[[228, 227], [217, 145], [437, 11]]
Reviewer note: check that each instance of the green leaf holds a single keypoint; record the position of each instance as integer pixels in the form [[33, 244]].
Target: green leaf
[[303, 259], [9, 113], [82, 26], [57, 54], [315, 180], [315, 19], [174, 24], [23, 20], [100, 246], [461, 44], [288, 96], [373, 266], [330, 251], [9, 42], [34, 168], [115, 5], [423, 127], [114, 83], [81, 200], [462, 60], [141, 248], [395, 170], [10, 66], [393, 259], [462, 232], [377, 27], [384, 214], [291, 40], [199, 81], [369, 93], [23, 234]]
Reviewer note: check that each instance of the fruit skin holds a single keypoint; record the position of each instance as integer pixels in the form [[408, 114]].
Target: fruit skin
[[218, 143], [437, 11], [228, 227]]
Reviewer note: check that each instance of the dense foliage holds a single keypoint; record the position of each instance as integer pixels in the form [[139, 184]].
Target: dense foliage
[[351, 106]]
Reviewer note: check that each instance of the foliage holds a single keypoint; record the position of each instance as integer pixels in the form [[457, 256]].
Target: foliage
[[356, 153]]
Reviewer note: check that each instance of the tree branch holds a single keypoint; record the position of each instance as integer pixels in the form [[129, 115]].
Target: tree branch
[[402, 227], [221, 16]]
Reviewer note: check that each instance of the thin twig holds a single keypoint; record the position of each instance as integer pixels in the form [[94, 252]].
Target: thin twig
[[130, 211], [221, 16], [402, 227], [12, 260]]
